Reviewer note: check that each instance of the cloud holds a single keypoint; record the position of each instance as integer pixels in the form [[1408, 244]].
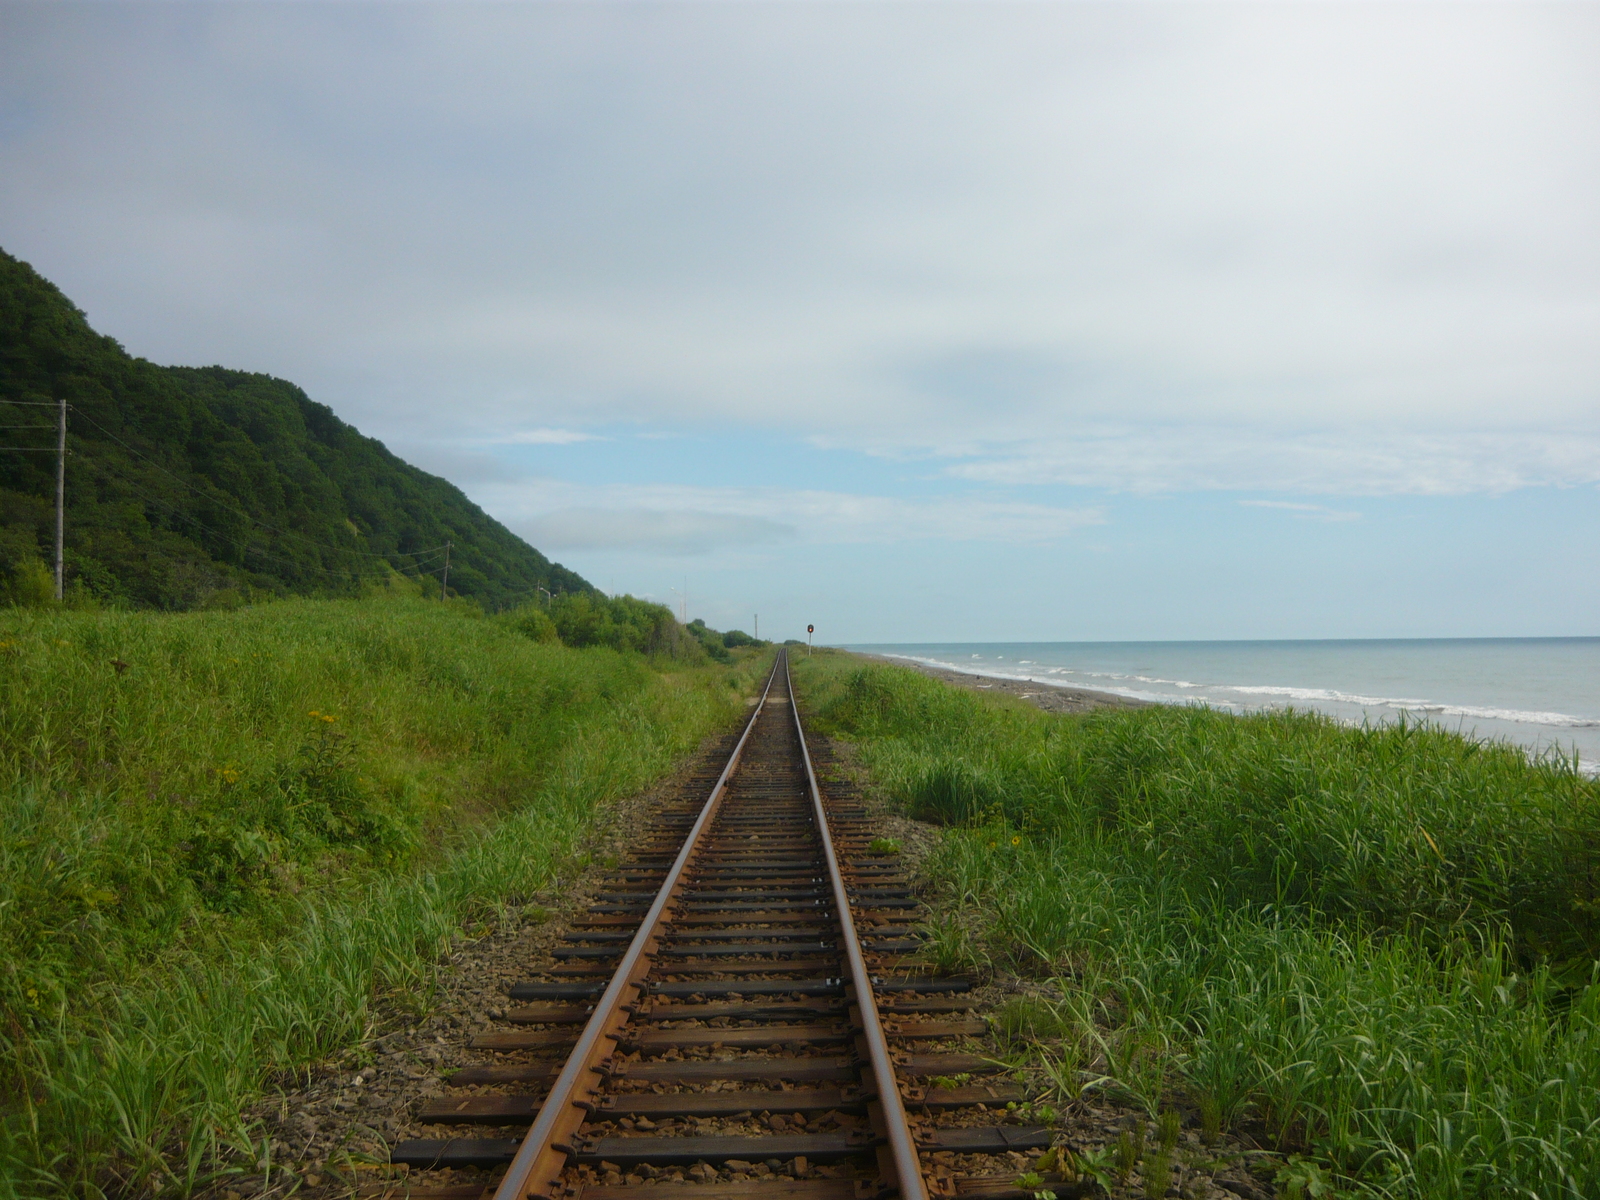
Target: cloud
[[683, 531], [545, 437], [1307, 512], [1351, 241], [1374, 463], [693, 520], [450, 462]]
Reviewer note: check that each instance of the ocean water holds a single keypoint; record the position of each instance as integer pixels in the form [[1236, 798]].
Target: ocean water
[[1537, 692]]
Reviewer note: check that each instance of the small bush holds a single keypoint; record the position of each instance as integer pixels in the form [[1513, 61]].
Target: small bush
[[29, 583], [533, 622]]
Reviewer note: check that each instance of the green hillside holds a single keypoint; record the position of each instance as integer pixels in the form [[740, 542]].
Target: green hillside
[[198, 487]]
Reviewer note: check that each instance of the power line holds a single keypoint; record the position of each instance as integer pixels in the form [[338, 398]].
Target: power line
[[418, 558], [415, 569], [254, 520], [60, 404], [246, 547]]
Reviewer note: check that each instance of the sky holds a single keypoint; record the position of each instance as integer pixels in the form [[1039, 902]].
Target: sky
[[913, 321]]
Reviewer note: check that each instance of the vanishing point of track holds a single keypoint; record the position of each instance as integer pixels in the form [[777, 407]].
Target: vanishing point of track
[[741, 1019]]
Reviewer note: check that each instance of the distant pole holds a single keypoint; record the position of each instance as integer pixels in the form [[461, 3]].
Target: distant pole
[[810, 629], [549, 600], [444, 580], [61, 496]]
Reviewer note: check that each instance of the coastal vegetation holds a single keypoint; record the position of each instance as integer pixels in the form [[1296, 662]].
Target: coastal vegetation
[[229, 840], [229, 836], [628, 623], [195, 487], [1376, 949]]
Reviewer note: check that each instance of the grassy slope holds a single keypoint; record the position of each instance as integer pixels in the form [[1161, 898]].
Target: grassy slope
[[1378, 946], [190, 487], [224, 834]]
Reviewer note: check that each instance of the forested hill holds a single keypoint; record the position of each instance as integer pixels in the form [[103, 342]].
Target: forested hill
[[189, 487]]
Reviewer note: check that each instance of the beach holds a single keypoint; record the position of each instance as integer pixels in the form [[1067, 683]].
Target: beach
[[1048, 696], [1539, 693]]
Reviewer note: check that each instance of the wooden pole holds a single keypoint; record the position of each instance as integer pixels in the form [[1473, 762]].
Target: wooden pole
[[61, 496], [444, 579]]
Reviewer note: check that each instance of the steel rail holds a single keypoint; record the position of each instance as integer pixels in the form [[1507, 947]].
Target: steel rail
[[903, 1151], [536, 1168]]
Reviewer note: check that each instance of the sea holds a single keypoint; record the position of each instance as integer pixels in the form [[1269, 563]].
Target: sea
[[1540, 693]]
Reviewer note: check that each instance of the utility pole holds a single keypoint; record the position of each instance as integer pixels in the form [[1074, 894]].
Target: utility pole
[[444, 579], [61, 496]]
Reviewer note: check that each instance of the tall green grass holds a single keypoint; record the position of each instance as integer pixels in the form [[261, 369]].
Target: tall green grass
[[1377, 945], [223, 837]]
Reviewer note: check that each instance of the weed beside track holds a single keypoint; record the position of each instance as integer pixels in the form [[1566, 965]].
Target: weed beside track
[[223, 835], [1373, 949]]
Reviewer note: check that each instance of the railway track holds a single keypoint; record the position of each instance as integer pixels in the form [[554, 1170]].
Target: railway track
[[739, 1016]]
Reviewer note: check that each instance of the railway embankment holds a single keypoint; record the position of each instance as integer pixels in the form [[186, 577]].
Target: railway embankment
[[1368, 954], [738, 1061], [273, 877], [232, 840]]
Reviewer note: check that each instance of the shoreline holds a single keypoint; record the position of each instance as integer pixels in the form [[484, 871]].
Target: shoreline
[[1055, 698], [1047, 696]]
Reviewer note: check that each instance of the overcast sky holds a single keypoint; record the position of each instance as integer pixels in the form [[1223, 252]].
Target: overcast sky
[[916, 321]]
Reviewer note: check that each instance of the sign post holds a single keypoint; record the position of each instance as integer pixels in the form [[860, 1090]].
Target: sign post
[[810, 629]]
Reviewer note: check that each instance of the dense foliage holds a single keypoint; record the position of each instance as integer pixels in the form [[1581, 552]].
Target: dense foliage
[[187, 905], [718, 644], [1375, 945], [1397, 826], [581, 619], [195, 487]]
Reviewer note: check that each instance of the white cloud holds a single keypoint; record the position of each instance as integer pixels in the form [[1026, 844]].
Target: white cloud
[[457, 464], [1308, 512], [544, 437], [681, 531], [1345, 247], [675, 519], [1375, 463]]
